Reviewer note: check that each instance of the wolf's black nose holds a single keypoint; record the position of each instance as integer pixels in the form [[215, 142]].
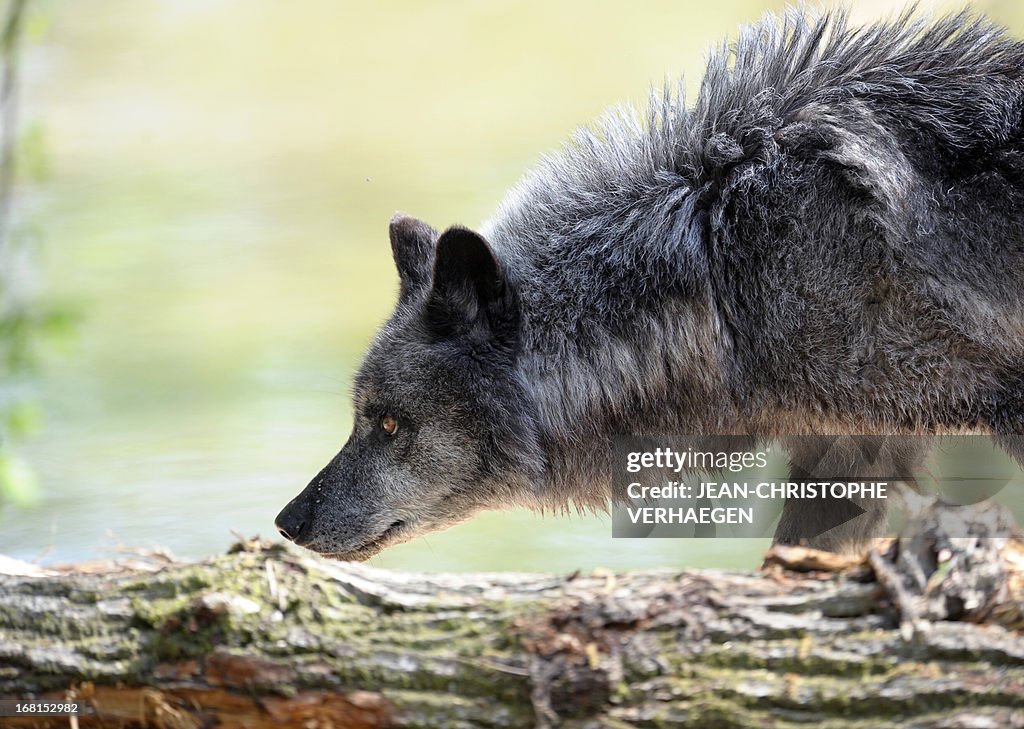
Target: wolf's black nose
[[291, 521], [287, 532]]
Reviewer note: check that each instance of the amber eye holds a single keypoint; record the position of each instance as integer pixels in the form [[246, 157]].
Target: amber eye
[[389, 425]]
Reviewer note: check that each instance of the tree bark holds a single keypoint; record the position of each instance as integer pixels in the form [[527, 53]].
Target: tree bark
[[274, 637]]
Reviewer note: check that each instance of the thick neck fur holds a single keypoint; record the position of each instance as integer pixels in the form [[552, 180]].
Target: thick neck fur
[[618, 334]]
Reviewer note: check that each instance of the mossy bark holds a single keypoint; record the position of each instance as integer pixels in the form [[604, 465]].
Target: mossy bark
[[274, 637]]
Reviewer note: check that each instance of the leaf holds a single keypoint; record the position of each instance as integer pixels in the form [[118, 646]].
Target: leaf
[[18, 482], [37, 27], [24, 419], [32, 160]]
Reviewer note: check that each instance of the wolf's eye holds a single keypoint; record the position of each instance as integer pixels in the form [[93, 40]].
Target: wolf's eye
[[389, 425]]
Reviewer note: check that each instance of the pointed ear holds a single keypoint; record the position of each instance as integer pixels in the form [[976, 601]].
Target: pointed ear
[[470, 292], [412, 245]]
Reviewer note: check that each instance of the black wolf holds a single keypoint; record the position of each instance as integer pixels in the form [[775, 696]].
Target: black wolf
[[829, 240]]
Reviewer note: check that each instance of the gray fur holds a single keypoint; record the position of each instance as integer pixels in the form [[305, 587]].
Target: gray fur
[[830, 240]]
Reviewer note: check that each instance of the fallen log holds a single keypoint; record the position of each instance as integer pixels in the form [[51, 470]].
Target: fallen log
[[268, 636]]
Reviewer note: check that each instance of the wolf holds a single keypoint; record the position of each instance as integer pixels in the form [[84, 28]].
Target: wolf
[[828, 240]]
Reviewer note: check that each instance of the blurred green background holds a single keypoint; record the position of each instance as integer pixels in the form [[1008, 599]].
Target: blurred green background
[[219, 177]]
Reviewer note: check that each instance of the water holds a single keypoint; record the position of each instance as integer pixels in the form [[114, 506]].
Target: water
[[221, 178]]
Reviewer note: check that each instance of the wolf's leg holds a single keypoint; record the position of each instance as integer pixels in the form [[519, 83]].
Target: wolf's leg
[[845, 525]]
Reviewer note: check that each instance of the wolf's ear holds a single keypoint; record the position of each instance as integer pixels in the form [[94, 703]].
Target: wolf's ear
[[470, 292], [412, 245]]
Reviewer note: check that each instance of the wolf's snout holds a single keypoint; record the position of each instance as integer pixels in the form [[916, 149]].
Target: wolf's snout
[[292, 520]]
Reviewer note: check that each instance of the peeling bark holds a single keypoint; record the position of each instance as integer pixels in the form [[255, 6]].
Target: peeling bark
[[270, 637]]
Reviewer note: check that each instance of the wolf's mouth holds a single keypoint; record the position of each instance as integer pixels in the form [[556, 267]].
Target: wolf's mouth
[[374, 545]]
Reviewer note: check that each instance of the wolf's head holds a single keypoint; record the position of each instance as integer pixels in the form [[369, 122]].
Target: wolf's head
[[444, 426]]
